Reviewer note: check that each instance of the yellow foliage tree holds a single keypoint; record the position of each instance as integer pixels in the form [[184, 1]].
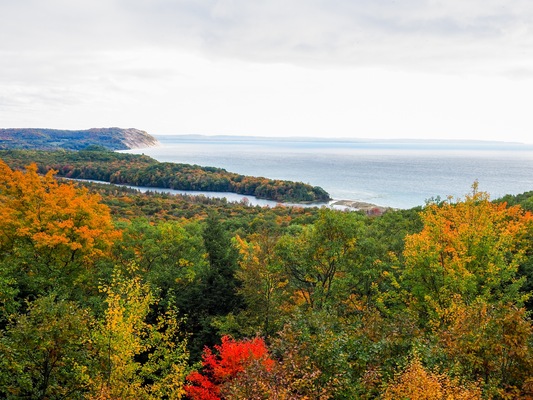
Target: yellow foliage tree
[[471, 248], [124, 334], [415, 383], [461, 279]]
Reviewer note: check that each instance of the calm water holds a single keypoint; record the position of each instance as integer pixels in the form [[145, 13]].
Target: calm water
[[394, 174]]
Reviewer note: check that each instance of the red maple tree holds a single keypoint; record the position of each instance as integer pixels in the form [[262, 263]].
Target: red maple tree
[[232, 358]]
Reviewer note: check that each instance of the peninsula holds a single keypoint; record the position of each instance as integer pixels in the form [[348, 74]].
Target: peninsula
[[52, 139], [96, 163]]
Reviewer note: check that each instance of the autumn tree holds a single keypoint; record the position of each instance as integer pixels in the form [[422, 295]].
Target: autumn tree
[[136, 358], [461, 279], [59, 350], [292, 375], [232, 358], [416, 383], [471, 248], [52, 234], [487, 342]]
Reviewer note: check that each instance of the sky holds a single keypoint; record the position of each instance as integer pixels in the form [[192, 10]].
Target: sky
[[378, 69]]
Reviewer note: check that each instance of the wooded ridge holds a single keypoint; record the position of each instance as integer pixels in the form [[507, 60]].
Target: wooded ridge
[[141, 170], [49, 139]]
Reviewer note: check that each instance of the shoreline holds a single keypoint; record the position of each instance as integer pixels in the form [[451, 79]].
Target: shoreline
[[252, 201]]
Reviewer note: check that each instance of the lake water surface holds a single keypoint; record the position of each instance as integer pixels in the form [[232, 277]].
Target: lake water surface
[[395, 174]]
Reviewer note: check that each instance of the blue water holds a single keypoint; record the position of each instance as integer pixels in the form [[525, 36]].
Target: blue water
[[394, 174]]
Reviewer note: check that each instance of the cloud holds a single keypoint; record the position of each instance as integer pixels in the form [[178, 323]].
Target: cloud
[[406, 33], [241, 66]]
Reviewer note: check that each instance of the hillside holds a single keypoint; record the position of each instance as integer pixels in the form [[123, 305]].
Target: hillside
[[49, 139]]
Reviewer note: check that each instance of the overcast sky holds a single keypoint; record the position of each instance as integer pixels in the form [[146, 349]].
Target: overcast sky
[[448, 69]]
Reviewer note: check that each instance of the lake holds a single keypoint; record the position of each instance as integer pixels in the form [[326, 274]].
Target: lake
[[399, 174]]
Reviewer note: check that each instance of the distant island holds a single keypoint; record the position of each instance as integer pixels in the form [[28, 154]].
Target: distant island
[[51, 139]]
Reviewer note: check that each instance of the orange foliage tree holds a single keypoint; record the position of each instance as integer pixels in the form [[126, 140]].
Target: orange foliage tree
[[51, 233]]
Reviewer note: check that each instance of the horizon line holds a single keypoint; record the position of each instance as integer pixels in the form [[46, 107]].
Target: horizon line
[[341, 139]]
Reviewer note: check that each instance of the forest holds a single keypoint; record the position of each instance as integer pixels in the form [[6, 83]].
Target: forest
[[98, 163], [109, 293]]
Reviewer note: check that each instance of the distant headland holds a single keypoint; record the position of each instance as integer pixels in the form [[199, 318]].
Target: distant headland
[[50, 139]]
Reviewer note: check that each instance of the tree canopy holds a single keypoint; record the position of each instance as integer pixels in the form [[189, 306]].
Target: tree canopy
[[109, 293]]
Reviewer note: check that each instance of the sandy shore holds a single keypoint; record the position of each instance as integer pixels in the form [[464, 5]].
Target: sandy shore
[[369, 208]]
